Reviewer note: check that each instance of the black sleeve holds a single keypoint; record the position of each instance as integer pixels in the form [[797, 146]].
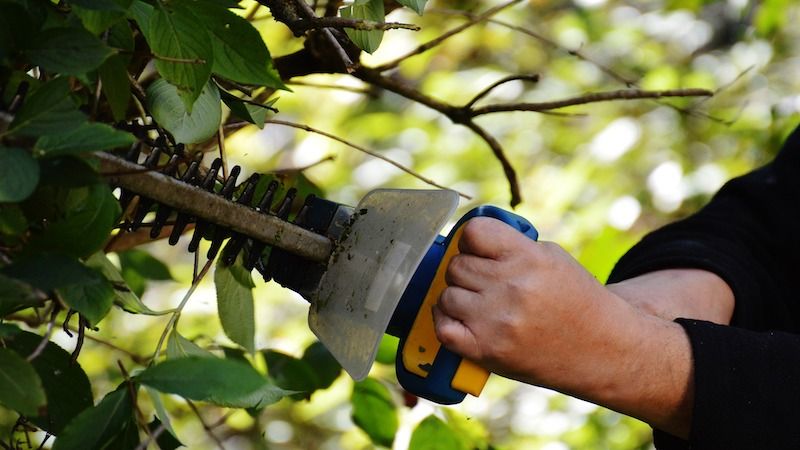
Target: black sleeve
[[747, 375]]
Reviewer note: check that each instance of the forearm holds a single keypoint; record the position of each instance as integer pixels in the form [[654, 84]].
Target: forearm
[[634, 363], [670, 294]]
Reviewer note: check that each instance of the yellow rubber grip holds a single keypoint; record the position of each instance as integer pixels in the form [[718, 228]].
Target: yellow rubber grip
[[422, 346]]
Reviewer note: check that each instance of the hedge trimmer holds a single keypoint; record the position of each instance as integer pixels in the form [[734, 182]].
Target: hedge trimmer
[[367, 270]]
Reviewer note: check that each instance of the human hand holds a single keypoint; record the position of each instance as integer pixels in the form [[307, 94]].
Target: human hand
[[526, 309]]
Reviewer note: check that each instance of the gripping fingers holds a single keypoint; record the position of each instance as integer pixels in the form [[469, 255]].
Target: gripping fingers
[[453, 334], [458, 303]]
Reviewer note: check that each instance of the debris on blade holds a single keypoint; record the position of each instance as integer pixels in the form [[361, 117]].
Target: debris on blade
[[373, 262]]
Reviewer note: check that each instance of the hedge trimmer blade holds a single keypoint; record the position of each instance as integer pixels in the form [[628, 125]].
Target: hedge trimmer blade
[[371, 265]]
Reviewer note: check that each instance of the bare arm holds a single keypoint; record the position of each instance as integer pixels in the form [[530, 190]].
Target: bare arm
[[528, 311]]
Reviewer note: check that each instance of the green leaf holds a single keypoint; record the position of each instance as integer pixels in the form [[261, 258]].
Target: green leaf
[[49, 271], [48, 109], [15, 294], [416, 5], [65, 172], [374, 411], [144, 264], [183, 51], [139, 266], [240, 53], [128, 437], [90, 214], [116, 86], [13, 223], [97, 21], [96, 427], [103, 5], [123, 296], [166, 440], [433, 434], [8, 330], [170, 112], [16, 28], [247, 111], [387, 349], [223, 382], [70, 51], [19, 174], [291, 374], [180, 347], [65, 383], [365, 10], [325, 365], [89, 137], [93, 298], [141, 12], [161, 411], [235, 303], [20, 385]]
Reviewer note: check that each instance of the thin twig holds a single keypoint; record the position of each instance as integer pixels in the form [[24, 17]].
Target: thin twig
[[624, 94], [356, 24], [441, 38], [363, 150], [82, 324], [173, 320], [354, 89], [290, 170], [334, 44], [46, 338], [547, 41], [208, 430], [138, 359], [508, 169], [221, 146], [533, 78], [153, 436]]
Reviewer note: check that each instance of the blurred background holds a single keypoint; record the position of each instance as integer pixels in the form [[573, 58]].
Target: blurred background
[[594, 179]]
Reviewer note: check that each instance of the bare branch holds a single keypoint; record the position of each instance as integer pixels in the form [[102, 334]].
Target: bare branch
[[438, 40], [356, 24], [625, 94], [508, 169], [367, 90], [290, 170], [534, 78], [363, 150]]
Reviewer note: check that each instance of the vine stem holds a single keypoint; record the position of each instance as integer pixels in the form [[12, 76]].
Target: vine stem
[[173, 320]]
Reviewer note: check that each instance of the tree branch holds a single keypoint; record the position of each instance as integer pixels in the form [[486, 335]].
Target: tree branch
[[534, 78], [438, 40], [625, 94], [363, 150], [357, 24]]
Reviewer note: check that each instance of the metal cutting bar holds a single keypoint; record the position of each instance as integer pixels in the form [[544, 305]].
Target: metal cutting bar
[[215, 209]]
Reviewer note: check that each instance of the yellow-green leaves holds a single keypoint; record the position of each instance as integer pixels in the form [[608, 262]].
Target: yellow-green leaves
[[374, 411], [367, 40], [235, 303], [433, 434]]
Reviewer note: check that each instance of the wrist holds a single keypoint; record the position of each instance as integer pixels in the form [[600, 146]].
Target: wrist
[[634, 363]]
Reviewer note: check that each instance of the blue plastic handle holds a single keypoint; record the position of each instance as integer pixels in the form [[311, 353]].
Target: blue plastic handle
[[436, 386]]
